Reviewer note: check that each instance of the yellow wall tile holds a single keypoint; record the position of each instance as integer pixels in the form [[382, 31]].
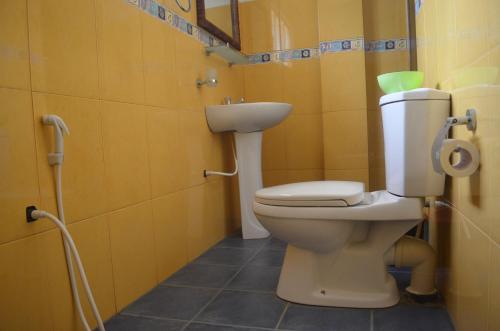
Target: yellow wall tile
[[384, 19], [189, 61], [340, 19], [159, 63], [83, 166], [473, 280], [260, 26], [494, 289], [274, 177], [92, 240], [167, 153], [14, 55], [377, 179], [196, 144], [479, 194], [127, 177], [19, 184], [219, 224], [197, 219], [25, 284], [120, 53], [206, 216], [345, 140], [306, 175], [356, 175], [298, 24], [343, 81], [170, 233], [302, 86], [274, 148], [66, 58], [133, 252], [472, 30], [375, 139], [444, 236], [304, 142], [264, 82]]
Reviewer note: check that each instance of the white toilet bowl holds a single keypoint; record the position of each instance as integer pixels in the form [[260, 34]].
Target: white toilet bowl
[[341, 238], [338, 236]]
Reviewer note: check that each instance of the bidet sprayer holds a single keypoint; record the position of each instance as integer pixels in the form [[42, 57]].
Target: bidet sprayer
[[60, 129]]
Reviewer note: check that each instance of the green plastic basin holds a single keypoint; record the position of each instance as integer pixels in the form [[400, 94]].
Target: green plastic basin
[[400, 81]]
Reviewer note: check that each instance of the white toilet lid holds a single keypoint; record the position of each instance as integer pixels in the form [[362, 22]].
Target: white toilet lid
[[313, 194]]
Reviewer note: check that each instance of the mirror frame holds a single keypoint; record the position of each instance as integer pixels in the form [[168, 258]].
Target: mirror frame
[[204, 23]]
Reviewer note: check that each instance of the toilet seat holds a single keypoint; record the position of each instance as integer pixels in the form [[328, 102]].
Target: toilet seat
[[313, 194], [377, 206]]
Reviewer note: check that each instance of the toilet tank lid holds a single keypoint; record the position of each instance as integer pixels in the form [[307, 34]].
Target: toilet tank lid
[[349, 193], [416, 94]]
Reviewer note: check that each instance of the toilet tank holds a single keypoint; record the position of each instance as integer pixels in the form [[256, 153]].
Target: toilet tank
[[411, 121]]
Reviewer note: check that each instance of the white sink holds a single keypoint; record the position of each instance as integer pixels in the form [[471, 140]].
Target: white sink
[[246, 117], [247, 121]]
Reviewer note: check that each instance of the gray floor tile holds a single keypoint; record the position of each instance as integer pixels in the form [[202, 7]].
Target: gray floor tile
[[225, 256], [209, 327], [133, 323], [256, 278], [236, 241], [245, 309], [412, 318], [202, 275], [276, 244], [269, 258], [171, 302], [310, 318]]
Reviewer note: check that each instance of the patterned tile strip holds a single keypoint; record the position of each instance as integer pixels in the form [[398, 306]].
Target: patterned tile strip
[[174, 20], [346, 45]]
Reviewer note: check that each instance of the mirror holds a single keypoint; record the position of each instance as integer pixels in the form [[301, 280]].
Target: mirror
[[220, 18]]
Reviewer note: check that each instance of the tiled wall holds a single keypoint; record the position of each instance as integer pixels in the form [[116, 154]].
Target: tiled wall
[[135, 198], [343, 84], [459, 50], [292, 151], [382, 19], [323, 57]]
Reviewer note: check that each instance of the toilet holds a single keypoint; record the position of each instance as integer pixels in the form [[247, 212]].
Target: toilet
[[341, 238]]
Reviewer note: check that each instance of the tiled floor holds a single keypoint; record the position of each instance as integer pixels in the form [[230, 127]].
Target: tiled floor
[[231, 288]]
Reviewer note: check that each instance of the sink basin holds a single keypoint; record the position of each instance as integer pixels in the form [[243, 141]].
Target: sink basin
[[246, 117], [247, 121]]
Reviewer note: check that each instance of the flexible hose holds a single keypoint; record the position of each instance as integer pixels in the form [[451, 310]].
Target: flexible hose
[[70, 244], [69, 247]]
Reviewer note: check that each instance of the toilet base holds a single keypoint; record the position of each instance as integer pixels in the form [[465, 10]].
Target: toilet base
[[354, 277]]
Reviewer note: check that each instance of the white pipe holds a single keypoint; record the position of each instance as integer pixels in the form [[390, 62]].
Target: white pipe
[[207, 173], [56, 159], [70, 245], [418, 254]]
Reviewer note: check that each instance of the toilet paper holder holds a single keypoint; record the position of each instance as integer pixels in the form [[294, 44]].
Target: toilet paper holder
[[469, 120]]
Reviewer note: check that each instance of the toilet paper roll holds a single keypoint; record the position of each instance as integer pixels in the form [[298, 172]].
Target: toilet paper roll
[[468, 158]]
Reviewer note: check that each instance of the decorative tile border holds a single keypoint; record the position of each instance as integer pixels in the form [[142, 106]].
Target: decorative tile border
[[174, 20], [386, 45], [284, 56], [345, 45], [334, 46]]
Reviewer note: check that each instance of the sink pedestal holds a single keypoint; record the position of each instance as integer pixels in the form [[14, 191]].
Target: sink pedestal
[[249, 151]]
